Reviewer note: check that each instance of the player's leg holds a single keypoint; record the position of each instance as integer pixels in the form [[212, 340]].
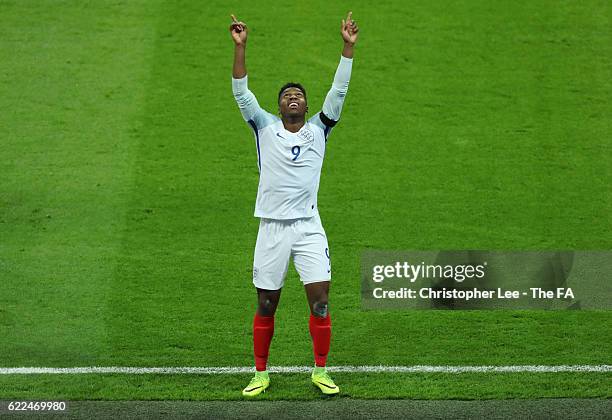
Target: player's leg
[[270, 264], [320, 332], [320, 320], [263, 331], [263, 326], [311, 259]]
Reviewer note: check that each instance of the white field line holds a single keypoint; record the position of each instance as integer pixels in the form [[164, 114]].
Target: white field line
[[302, 369]]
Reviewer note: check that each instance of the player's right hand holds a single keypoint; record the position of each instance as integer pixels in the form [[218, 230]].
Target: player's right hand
[[238, 31]]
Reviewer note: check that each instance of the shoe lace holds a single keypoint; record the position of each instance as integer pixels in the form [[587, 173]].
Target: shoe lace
[[254, 382], [325, 376]]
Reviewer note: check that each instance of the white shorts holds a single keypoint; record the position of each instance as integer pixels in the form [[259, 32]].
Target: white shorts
[[278, 240]]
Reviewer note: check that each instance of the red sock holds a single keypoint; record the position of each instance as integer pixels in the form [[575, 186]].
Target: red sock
[[263, 330], [320, 331]]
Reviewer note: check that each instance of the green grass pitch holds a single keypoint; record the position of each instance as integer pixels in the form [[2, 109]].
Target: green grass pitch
[[128, 181]]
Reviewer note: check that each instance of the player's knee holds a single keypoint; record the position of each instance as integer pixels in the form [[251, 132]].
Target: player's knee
[[267, 307], [319, 309]]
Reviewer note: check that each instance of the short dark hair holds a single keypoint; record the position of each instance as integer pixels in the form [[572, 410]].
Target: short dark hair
[[291, 85]]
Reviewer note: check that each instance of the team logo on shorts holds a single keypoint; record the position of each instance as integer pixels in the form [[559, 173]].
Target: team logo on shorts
[[255, 272], [306, 135]]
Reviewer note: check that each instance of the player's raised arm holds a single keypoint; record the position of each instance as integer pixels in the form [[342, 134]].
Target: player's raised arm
[[244, 97], [239, 36], [332, 107], [350, 32]]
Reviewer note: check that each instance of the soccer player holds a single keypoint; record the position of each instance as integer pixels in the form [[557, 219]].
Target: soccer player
[[290, 152]]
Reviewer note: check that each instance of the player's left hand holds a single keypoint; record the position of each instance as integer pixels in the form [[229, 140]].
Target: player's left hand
[[349, 29]]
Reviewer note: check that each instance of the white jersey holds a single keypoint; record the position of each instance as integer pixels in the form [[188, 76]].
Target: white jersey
[[290, 163]]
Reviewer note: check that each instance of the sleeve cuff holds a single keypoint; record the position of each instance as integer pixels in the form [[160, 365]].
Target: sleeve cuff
[[239, 85]]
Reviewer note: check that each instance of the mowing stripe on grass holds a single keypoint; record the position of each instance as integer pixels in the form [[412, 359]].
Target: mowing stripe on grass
[[304, 369]]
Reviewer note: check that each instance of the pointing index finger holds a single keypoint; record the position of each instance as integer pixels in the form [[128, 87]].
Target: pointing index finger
[[348, 17], [234, 19]]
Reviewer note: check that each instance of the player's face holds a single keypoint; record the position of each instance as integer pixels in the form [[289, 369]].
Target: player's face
[[292, 103]]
